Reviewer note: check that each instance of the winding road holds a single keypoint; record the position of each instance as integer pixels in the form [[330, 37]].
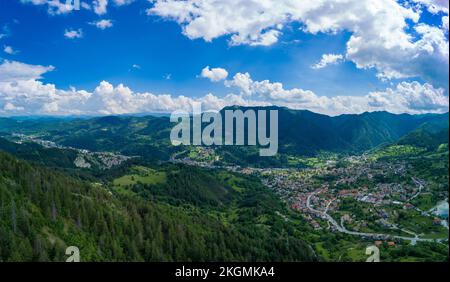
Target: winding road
[[341, 227]]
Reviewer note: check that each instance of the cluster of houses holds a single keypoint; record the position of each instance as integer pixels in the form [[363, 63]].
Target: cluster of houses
[[295, 186], [85, 158]]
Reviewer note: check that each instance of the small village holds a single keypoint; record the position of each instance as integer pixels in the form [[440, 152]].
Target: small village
[[322, 195], [85, 158], [384, 190]]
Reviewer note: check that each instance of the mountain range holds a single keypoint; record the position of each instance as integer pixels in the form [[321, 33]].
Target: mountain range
[[301, 132]]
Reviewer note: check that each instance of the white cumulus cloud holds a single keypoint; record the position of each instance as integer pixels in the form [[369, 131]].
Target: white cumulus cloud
[[214, 74], [380, 30], [100, 6], [445, 23], [412, 96], [9, 50], [56, 7], [328, 59], [11, 71], [102, 24], [123, 2], [406, 97], [22, 93], [73, 33], [434, 6]]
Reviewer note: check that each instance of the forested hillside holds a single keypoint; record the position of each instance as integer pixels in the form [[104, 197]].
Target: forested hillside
[[43, 211], [51, 157], [300, 133]]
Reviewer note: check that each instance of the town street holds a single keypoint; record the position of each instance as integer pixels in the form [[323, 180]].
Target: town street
[[342, 229]]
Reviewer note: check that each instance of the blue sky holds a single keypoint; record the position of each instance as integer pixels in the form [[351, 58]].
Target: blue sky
[[167, 60]]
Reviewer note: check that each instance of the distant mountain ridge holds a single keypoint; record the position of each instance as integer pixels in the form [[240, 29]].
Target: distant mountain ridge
[[305, 132], [300, 131]]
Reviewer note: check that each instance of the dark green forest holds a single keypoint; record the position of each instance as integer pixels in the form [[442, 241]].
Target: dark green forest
[[44, 211]]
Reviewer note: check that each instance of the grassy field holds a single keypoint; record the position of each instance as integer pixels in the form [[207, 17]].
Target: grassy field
[[424, 201], [344, 251], [139, 174], [312, 162], [396, 151], [232, 180]]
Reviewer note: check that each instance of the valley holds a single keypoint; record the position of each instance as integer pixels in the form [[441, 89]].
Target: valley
[[372, 194], [327, 205]]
